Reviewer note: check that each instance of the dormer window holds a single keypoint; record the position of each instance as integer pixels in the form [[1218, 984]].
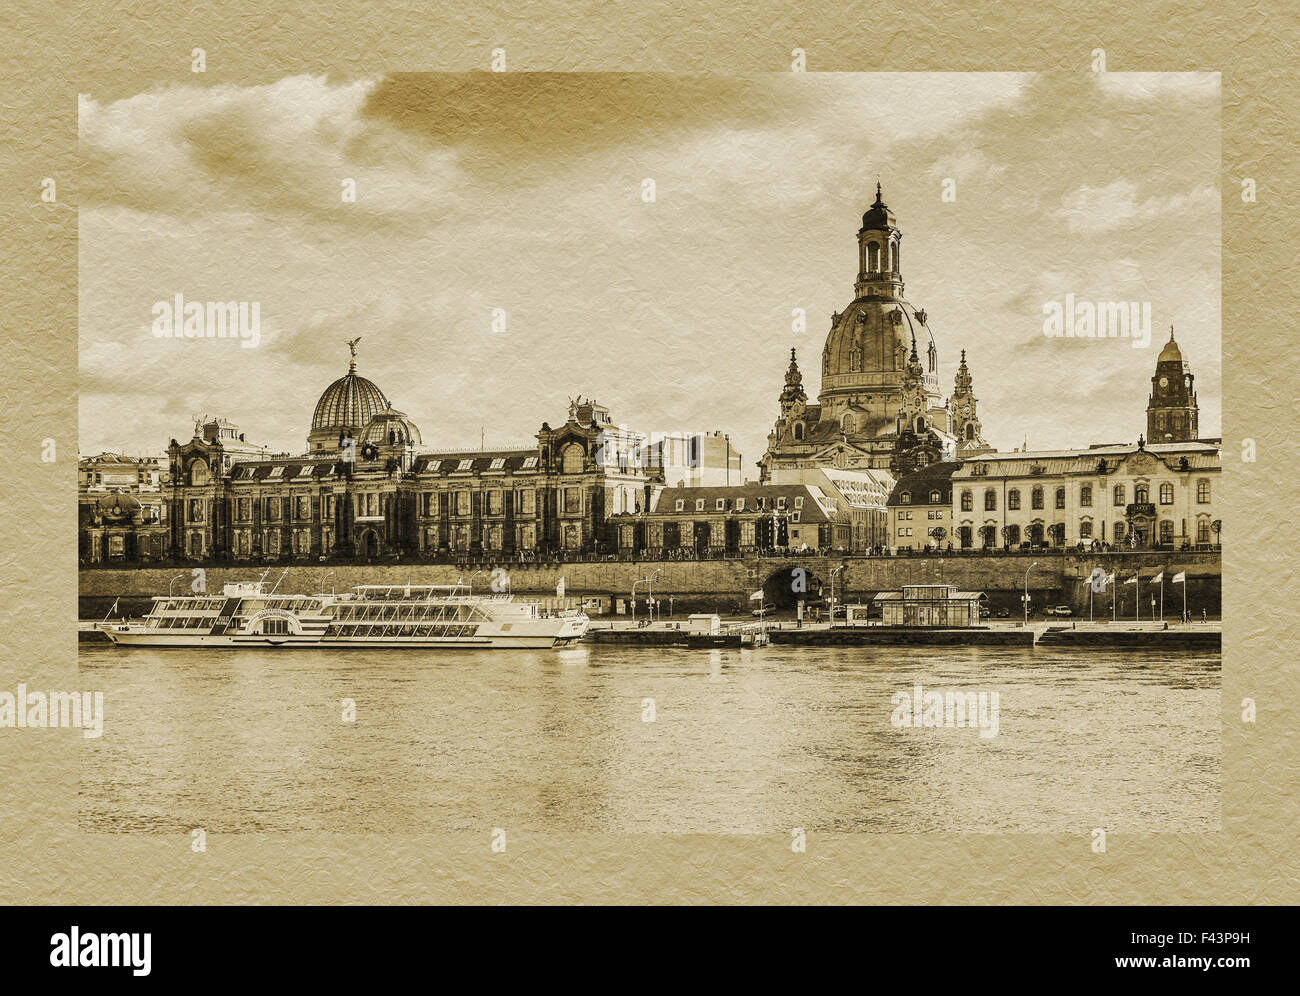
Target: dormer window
[[530, 463], [720, 505], [905, 498], [276, 472], [680, 505], [699, 504], [434, 465], [498, 463], [740, 504], [464, 465]]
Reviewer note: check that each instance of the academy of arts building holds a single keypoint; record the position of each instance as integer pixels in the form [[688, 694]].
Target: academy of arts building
[[882, 461]]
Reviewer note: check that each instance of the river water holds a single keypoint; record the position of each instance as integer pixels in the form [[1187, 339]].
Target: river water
[[741, 741]]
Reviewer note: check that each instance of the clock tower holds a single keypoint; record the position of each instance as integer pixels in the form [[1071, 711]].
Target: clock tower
[[1171, 408]]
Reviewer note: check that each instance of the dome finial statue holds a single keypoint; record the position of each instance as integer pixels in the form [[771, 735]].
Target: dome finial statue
[[352, 345]]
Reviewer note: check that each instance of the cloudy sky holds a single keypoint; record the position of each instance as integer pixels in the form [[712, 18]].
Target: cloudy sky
[[523, 192]]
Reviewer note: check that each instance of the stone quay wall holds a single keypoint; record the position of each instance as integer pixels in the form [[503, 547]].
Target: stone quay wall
[[723, 585]]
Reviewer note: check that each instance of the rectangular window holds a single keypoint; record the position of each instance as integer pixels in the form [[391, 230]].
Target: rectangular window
[[462, 503], [527, 502], [699, 504], [1202, 492], [720, 505], [1085, 496], [798, 502], [573, 500], [495, 503], [1119, 495], [740, 504], [679, 505]]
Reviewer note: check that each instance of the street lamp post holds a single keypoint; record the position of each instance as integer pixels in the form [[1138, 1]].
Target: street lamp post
[[471, 581], [172, 582], [1027, 570], [833, 573], [634, 584], [650, 582]]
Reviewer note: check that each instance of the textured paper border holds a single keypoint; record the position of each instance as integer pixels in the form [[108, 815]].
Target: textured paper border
[[54, 54]]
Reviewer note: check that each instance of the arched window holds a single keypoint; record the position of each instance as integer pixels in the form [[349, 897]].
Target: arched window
[[1085, 529], [1118, 533], [1036, 498], [920, 424], [970, 430], [1013, 499], [1085, 496], [990, 500], [848, 423], [967, 501], [572, 459], [896, 266], [935, 498], [1166, 493], [1202, 530], [1060, 497], [1141, 494], [905, 498], [873, 257], [1119, 496], [798, 431], [199, 474]]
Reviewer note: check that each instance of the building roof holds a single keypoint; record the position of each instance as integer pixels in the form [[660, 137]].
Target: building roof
[[1200, 454], [471, 462], [921, 482], [820, 507]]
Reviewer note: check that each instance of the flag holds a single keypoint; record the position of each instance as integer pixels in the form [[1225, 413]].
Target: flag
[[757, 596], [1179, 578], [1132, 580], [559, 589], [1110, 580], [1158, 577]]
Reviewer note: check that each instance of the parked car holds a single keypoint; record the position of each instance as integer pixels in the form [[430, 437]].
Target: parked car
[[764, 610], [1059, 610]]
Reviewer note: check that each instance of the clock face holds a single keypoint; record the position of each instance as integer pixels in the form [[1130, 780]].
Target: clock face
[[1164, 381]]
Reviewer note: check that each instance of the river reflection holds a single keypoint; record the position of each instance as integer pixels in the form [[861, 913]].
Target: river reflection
[[603, 738]]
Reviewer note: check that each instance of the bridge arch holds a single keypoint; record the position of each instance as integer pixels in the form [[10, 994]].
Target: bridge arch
[[787, 585]]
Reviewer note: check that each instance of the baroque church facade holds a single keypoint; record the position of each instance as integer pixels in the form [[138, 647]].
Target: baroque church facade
[[880, 405]]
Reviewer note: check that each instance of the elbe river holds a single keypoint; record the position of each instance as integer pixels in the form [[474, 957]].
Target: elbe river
[[652, 740]]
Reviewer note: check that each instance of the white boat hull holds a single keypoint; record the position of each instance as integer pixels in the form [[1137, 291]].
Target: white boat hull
[[571, 632]]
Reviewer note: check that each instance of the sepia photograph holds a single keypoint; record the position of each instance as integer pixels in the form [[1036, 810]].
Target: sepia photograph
[[499, 451]]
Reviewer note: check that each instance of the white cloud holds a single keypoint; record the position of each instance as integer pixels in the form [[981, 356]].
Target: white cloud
[[1150, 86], [1101, 209]]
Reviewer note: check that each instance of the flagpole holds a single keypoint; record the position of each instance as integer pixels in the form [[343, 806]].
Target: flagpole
[[1137, 599], [1162, 596]]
